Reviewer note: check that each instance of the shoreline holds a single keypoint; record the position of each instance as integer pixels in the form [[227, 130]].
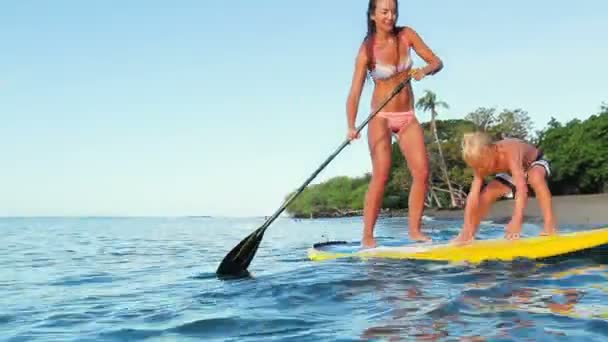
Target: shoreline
[[568, 209]]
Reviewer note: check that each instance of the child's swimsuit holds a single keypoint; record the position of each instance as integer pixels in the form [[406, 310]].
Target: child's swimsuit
[[507, 180]]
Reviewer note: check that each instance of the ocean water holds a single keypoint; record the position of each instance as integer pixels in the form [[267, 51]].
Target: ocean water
[[152, 279]]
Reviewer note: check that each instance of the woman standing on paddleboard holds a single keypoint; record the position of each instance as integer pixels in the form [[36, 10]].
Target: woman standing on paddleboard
[[385, 54]]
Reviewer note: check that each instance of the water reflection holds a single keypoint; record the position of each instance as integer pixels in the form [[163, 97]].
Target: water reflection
[[508, 299], [410, 312]]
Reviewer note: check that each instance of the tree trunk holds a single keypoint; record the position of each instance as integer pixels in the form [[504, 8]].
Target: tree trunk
[[428, 202], [443, 166], [434, 196]]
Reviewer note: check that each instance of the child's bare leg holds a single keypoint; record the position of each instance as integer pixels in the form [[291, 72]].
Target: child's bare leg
[[488, 196], [493, 191], [537, 180]]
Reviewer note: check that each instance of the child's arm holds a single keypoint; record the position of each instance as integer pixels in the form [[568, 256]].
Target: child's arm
[[521, 191], [471, 210]]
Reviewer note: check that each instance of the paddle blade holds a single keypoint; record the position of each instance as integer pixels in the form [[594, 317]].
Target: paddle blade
[[239, 258]]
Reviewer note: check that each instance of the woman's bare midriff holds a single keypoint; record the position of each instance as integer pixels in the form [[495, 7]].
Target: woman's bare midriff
[[402, 102]]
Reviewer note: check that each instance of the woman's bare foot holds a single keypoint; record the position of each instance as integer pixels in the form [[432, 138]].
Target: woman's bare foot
[[368, 242], [419, 237]]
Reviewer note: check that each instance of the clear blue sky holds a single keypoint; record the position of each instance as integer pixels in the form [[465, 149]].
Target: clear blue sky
[[223, 107]]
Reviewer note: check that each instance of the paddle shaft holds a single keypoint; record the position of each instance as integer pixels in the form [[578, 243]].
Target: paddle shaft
[[397, 89], [239, 258]]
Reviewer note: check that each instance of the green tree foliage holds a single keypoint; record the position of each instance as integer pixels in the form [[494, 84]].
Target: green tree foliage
[[509, 123], [577, 150], [336, 196], [483, 118], [513, 124]]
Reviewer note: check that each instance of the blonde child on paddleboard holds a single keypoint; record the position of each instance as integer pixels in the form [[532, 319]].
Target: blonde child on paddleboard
[[515, 164]]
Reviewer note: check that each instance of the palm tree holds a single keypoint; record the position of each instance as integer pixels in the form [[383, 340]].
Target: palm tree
[[428, 102]]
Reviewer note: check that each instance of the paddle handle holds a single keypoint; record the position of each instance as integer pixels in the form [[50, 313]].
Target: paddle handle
[[395, 91]]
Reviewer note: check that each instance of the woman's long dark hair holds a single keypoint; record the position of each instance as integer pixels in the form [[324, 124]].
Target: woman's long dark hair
[[371, 30], [371, 25]]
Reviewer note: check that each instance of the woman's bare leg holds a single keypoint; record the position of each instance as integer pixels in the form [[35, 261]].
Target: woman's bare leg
[[379, 140], [411, 142]]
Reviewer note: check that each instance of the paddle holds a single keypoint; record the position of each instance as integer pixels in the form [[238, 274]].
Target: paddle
[[239, 258]]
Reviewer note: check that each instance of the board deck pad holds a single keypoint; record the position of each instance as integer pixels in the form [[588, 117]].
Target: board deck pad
[[537, 247]]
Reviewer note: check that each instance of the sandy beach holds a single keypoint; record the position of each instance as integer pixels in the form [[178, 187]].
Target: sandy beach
[[576, 209]]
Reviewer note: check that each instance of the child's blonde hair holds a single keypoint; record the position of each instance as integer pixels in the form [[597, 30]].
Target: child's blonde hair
[[474, 144]]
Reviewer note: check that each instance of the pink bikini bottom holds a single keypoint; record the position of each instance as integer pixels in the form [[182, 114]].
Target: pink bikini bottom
[[398, 120]]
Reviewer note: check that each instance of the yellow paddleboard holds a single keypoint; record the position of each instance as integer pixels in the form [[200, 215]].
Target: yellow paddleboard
[[537, 247]]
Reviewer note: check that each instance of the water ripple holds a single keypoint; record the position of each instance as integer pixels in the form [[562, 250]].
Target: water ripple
[[153, 279]]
